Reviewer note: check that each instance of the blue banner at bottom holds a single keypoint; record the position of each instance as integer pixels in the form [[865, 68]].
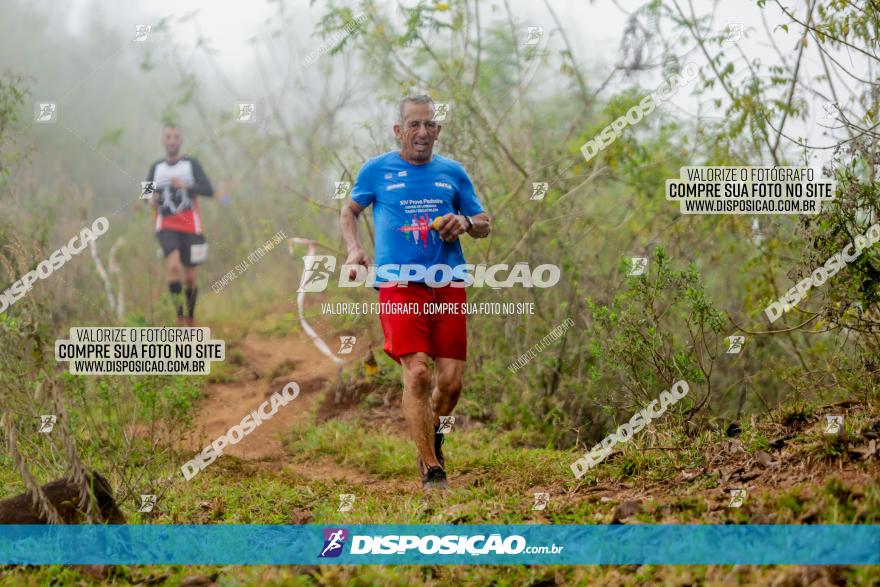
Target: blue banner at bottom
[[442, 544]]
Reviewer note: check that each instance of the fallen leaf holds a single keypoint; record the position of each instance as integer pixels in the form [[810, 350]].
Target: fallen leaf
[[196, 580], [301, 517], [625, 510], [765, 460], [688, 475]]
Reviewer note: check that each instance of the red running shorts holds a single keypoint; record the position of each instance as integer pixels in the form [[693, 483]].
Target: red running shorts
[[423, 319]]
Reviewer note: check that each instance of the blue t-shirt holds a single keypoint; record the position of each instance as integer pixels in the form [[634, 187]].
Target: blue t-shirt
[[406, 198]]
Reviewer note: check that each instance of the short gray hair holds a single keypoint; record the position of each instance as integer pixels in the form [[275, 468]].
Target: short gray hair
[[415, 99]]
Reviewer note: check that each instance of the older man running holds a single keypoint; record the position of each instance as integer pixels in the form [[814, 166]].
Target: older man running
[[422, 203]]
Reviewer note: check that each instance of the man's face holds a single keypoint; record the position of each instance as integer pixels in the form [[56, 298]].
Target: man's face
[[171, 140], [417, 133]]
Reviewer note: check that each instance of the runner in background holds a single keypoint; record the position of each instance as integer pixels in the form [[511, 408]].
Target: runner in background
[[177, 183]]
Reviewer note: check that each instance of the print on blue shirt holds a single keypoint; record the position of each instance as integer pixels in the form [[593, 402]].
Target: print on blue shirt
[[406, 198]]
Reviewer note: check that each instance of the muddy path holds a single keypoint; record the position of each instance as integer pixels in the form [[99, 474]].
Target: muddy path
[[265, 365]]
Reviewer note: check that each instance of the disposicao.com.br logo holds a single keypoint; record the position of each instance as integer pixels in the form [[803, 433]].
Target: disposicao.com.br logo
[[319, 268], [334, 540], [477, 545]]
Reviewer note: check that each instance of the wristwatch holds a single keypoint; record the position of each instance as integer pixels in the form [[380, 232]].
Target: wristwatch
[[469, 221]]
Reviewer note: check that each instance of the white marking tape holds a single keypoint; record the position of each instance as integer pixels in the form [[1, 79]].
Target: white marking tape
[[300, 300]]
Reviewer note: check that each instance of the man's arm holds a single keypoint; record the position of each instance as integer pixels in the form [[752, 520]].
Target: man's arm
[[472, 218], [452, 226], [482, 226], [201, 184], [348, 221]]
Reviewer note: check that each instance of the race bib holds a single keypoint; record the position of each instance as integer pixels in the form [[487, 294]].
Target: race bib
[[198, 253]]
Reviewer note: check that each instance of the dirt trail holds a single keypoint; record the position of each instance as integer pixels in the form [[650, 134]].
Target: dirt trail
[[268, 364]]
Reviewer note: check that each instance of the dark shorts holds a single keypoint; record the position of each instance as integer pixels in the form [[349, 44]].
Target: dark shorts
[[437, 334], [171, 240]]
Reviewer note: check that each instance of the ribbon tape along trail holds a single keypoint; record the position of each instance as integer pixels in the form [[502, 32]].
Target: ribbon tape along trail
[[300, 300]]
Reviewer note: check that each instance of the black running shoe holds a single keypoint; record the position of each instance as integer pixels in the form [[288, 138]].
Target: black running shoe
[[435, 478], [438, 448]]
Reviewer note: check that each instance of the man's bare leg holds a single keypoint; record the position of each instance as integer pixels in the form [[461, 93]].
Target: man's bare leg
[[417, 405], [173, 266], [448, 388]]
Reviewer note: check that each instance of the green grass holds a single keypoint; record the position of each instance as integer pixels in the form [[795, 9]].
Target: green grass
[[497, 490], [385, 454], [493, 480]]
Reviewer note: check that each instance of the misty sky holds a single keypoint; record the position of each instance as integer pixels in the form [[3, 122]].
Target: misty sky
[[594, 29]]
